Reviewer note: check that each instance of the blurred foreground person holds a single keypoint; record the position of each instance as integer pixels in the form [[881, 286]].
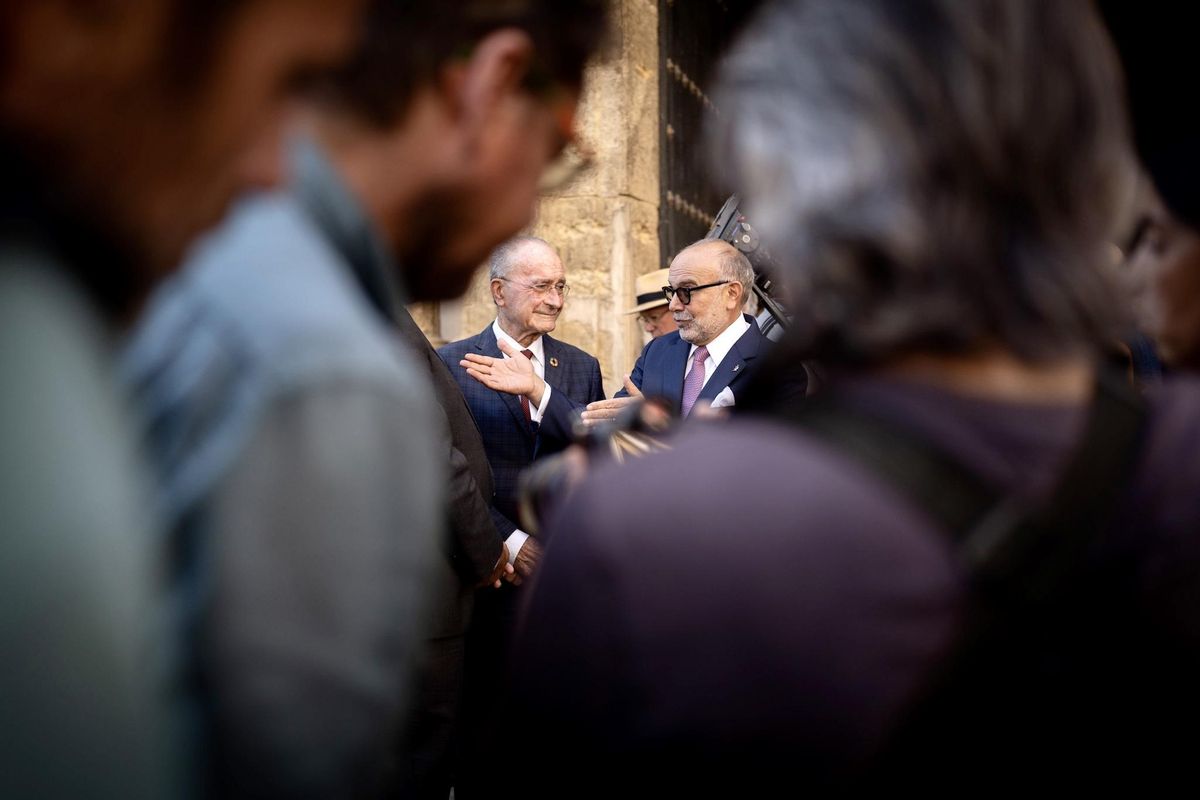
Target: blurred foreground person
[[304, 455], [125, 129], [974, 564]]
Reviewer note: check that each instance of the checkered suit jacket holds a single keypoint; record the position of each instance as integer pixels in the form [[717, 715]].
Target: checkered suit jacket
[[512, 444]]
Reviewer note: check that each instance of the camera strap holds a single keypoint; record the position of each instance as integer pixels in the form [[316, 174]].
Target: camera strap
[[1015, 552], [1024, 564]]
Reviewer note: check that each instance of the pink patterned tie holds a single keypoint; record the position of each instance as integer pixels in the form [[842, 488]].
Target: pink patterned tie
[[694, 380]]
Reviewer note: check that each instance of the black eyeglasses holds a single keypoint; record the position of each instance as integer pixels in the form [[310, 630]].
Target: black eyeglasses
[[685, 292]]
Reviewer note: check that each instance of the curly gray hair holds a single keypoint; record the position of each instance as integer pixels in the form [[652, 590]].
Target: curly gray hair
[[939, 174]]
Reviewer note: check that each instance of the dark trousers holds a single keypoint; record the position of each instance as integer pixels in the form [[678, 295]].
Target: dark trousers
[[425, 765], [481, 745]]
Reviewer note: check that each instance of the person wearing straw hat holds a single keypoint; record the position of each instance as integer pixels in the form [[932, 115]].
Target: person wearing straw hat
[[651, 309]]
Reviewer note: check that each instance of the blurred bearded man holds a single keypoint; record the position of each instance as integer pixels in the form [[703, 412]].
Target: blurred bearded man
[[305, 453]]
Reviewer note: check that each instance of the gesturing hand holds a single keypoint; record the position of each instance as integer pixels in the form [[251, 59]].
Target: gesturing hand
[[607, 410], [512, 375]]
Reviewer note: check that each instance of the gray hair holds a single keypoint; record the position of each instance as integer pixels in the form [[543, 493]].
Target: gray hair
[[937, 173], [504, 257]]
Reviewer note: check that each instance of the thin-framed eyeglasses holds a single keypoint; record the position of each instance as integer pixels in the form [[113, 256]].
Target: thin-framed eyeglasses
[[685, 292], [543, 287]]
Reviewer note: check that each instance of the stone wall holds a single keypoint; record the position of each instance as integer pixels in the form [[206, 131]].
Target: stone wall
[[605, 222]]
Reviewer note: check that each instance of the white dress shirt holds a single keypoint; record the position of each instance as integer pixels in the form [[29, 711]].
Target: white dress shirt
[[539, 366], [718, 348], [518, 537]]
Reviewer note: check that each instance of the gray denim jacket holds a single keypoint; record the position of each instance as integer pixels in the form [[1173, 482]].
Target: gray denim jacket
[[295, 438]]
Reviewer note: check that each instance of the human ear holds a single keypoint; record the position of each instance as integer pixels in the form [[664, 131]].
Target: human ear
[[736, 295], [495, 71]]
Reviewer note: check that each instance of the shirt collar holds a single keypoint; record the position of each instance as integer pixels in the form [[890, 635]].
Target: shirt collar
[[320, 191], [536, 346], [719, 347]]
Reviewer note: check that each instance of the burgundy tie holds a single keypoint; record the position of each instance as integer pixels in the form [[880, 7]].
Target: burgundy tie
[[525, 400], [694, 380]]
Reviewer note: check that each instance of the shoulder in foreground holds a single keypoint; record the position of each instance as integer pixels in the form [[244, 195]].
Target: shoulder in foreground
[[1173, 434], [268, 268], [267, 299], [769, 483]]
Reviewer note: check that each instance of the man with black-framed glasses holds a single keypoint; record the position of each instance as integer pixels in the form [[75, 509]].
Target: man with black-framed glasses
[[716, 349]]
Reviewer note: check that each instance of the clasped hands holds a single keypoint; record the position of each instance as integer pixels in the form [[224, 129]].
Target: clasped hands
[[522, 567]]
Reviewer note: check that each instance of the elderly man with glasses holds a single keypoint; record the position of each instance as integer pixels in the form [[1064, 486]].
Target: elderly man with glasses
[[716, 348], [524, 389]]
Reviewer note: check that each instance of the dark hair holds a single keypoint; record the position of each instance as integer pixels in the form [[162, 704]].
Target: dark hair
[[405, 43], [938, 174], [196, 30]]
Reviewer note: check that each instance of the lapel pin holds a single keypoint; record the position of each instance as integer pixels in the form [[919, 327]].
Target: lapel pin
[[553, 361], [736, 367]]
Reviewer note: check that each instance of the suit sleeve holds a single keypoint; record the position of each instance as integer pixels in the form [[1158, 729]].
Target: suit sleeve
[[475, 541], [503, 524], [638, 372], [450, 357], [325, 533], [561, 411]]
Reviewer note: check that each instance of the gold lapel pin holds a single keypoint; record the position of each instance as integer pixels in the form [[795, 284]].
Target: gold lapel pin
[[553, 361]]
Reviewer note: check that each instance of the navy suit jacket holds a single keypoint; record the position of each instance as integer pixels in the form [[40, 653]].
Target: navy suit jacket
[[659, 369], [510, 442]]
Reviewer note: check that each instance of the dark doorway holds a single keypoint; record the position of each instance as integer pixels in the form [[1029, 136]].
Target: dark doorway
[[693, 35]]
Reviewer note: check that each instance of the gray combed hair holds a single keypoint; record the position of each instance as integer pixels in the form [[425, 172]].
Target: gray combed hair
[[937, 175], [504, 257]]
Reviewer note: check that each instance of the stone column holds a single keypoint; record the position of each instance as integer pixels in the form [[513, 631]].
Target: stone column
[[605, 222]]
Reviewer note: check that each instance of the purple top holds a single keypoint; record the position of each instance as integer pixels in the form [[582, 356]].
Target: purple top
[[752, 596]]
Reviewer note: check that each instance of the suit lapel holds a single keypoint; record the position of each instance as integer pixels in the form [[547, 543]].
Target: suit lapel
[[733, 366], [485, 343], [555, 369]]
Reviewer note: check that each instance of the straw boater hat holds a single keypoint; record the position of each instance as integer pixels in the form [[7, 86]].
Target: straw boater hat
[[650, 291]]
